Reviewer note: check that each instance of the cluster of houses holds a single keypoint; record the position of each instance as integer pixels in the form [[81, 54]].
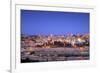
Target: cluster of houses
[[53, 41], [38, 48]]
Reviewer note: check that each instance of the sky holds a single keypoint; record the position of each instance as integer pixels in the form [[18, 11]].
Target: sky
[[51, 22]]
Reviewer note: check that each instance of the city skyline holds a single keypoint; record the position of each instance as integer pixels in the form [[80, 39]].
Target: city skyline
[[51, 22]]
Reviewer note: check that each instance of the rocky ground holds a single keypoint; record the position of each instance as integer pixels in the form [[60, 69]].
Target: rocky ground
[[54, 54]]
